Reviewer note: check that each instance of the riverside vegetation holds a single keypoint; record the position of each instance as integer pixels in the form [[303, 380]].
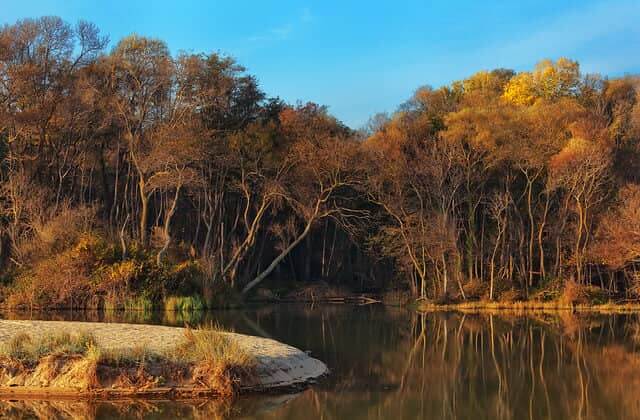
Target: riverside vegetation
[[133, 178]]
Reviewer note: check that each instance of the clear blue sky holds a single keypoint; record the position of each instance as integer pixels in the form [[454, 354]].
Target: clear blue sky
[[363, 57]]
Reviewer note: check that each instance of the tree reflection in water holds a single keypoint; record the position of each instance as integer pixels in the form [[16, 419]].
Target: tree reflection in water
[[393, 364]]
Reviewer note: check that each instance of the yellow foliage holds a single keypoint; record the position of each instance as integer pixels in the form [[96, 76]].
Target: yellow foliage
[[520, 90], [87, 243], [550, 80], [554, 80], [123, 272], [479, 81]]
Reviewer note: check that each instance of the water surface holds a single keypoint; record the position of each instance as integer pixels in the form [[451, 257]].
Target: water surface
[[389, 363]]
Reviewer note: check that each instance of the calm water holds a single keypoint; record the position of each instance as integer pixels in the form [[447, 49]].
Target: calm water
[[389, 363]]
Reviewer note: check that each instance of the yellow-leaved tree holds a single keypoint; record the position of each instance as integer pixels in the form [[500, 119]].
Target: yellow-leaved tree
[[549, 80]]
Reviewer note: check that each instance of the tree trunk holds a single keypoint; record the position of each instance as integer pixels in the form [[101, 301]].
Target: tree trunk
[[167, 226], [578, 256], [542, 269], [279, 258], [492, 265], [144, 213], [123, 243], [445, 279], [531, 231]]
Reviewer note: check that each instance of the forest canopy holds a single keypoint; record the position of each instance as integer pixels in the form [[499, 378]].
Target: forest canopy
[[131, 172]]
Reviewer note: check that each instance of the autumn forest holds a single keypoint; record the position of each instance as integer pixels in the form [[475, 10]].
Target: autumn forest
[[130, 176]]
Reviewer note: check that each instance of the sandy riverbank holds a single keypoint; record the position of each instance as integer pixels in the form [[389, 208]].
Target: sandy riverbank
[[278, 366]]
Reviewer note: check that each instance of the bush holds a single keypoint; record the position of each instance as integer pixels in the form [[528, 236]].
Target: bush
[[60, 281], [577, 294], [476, 289], [57, 234], [572, 293], [82, 270], [219, 294], [89, 274], [511, 295], [185, 278]]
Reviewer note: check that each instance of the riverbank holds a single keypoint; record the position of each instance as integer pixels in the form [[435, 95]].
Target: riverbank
[[528, 306], [116, 360]]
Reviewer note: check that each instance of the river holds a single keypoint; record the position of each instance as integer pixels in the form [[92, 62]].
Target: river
[[391, 363]]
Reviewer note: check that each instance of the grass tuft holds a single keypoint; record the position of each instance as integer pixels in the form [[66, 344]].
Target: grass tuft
[[219, 362], [210, 344], [26, 349], [184, 304]]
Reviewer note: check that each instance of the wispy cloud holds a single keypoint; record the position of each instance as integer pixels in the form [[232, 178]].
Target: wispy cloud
[[574, 34], [566, 33], [282, 32], [285, 31]]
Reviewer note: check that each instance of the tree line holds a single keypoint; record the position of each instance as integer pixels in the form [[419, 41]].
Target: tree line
[[501, 184]]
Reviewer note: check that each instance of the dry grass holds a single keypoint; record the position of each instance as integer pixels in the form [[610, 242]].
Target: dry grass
[[532, 305], [207, 359], [219, 362], [212, 344], [571, 296], [29, 350]]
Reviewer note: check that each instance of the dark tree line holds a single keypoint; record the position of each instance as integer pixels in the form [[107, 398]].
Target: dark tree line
[[498, 183]]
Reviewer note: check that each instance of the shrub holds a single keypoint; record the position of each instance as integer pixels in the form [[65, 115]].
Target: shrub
[[511, 295], [184, 303], [66, 279], [115, 281], [572, 293], [475, 289], [577, 294], [220, 294], [56, 234], [59, 282], [89, 274], [184, 278]]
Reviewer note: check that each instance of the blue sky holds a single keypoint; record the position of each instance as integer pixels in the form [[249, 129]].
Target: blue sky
[[363, 57]]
